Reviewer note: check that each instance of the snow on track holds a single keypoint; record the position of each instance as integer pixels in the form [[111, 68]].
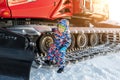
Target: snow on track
[[99, 68]]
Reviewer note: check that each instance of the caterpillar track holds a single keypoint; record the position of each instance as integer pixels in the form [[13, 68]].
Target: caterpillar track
[[88, 42], [85, 54], [79, 55]]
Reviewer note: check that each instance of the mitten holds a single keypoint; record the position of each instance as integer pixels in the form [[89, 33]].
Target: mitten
[[63, 49]]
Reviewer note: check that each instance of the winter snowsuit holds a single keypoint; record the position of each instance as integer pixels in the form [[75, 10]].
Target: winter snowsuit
[[58, 49]]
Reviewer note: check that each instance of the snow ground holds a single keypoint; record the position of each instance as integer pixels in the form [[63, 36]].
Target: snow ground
[[99, 68]]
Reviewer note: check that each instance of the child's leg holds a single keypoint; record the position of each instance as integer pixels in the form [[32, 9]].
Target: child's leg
[[50, 56], [51, 53], [60, 59]]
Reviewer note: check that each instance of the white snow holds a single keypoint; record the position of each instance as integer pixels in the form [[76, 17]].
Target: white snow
[[99, 68]]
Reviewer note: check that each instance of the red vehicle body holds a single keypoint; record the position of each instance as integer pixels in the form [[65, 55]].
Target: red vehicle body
[[34, 9], [52, 9]]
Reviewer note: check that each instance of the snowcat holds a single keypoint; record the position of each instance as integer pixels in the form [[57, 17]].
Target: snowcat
[[25, 30]]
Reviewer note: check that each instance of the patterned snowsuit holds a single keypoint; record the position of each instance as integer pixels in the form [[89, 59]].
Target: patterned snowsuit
[[61, 40]]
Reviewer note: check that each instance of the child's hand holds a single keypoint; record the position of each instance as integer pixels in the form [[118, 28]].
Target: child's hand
[[63, 49]]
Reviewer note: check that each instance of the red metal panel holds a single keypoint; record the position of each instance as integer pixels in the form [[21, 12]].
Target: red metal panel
[[62, 6], [32, 8], [4, 10], [76, 6]]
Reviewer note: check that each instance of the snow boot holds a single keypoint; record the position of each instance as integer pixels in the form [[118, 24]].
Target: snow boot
[[60, 70], [49, 63]]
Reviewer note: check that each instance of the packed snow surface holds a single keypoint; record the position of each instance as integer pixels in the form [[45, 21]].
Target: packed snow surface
[[99, 68]]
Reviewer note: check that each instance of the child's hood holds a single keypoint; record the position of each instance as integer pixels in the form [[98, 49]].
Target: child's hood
[[65, 23]]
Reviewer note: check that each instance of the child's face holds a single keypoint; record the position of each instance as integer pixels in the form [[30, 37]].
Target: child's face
[[61, 28]]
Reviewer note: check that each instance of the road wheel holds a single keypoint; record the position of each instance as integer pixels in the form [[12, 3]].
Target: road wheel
[[82, 40], [94, 39], [44, 43], [72, 45], [103, 38]]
